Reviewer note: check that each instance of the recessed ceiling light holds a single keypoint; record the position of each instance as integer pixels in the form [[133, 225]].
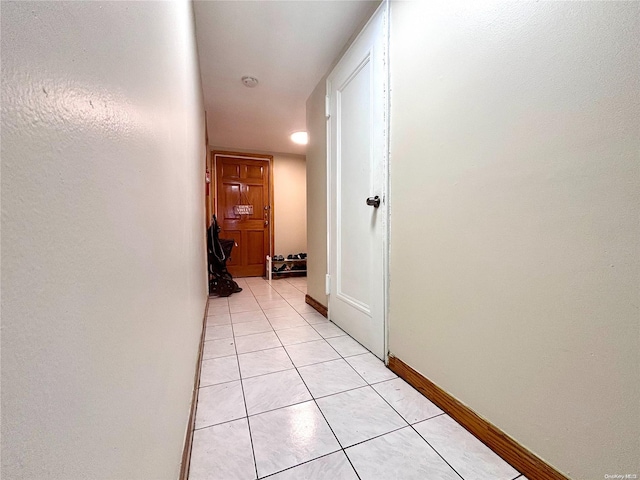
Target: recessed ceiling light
[[301, 138], [249, 81]]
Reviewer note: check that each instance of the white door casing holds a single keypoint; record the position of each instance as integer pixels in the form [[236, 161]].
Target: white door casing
[[357, 126]]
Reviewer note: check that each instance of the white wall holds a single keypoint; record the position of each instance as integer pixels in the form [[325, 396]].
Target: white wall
[[317, 194], [514, 219], [103, 260], [290, 203]]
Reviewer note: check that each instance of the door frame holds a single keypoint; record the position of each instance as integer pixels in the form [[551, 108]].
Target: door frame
[[246, 156], [385, 10]]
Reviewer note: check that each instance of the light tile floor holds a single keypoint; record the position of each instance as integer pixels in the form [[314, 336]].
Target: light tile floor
[[286, 394]]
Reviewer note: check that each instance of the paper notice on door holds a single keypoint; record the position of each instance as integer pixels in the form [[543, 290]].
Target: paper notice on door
[[243, 209]]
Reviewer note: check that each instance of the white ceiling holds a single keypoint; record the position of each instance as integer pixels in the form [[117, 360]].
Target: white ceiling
[[287, 45]]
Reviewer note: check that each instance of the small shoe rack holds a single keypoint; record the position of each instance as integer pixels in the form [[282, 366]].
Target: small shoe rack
[[298, 262]]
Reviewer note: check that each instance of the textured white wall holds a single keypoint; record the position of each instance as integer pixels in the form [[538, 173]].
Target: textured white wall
[[514, 219], [290, 200], [103, 260]]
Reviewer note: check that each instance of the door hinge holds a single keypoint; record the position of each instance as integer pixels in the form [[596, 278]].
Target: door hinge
[[327, 106], [327, 284]]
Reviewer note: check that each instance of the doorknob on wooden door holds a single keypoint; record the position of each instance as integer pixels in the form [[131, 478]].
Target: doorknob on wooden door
[[373, 201]]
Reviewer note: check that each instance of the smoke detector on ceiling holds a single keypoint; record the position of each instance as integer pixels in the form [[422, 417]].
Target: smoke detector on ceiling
[[249, 81]]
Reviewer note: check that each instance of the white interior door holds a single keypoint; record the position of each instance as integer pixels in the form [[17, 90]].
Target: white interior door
[[357, 149]]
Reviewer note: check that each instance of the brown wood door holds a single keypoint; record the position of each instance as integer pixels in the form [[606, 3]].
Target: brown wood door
[[241, 181]]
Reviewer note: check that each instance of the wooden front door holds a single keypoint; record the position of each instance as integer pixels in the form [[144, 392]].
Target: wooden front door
[[243, 209]]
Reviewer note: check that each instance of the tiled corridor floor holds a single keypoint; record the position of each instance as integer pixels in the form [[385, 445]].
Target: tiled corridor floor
[[286, 394]]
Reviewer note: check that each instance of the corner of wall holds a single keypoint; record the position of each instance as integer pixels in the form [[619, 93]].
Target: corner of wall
[[317, 194]]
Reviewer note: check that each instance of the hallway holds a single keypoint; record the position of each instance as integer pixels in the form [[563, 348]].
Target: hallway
[[312, 394], [512, 257]]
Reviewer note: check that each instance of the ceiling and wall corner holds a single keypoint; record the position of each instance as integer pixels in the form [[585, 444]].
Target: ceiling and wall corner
[[287, 46]]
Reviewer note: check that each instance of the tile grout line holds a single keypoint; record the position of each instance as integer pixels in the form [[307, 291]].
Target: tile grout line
[[400, 415], [344, 449], [323, 416], [295, 367], [437, 453], [255, 462], [377, 436], [302, 463], [411, 425], [320, 410], [314, 399], [317, 406], [370, 385], [287, 353], [247, 416], [367, 384], [321, 397], [244, 400], [342, 357], [221, 383], [312, 396]]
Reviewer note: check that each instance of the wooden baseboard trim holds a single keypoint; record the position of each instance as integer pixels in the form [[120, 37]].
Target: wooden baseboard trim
[[322, 310], [188, 441], [511, 451]]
